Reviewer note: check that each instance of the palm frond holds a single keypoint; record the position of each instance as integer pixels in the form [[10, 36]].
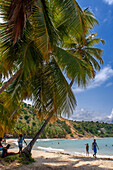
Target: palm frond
[[45, 34], [68, 17], [91, 40], [7, 106], [96, 52], [89, 20], [16, 13], [73, 66], [52, 93]]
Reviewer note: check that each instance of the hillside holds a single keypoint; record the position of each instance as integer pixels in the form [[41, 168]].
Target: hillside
[[28, 124]]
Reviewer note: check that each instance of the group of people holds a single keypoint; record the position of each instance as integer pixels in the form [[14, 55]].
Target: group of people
[[20, 145], [94, 148], [5, 149]]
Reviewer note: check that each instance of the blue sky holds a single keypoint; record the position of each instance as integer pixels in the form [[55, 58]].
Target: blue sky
[[96, 101]]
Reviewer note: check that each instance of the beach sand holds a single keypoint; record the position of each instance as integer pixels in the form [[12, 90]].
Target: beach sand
[[61, 161]]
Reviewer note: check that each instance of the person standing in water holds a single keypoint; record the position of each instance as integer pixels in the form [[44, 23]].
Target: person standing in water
[[87, 149], [95, 147]]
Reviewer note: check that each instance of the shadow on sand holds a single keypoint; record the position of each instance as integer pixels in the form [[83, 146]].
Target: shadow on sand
[[73, 162]]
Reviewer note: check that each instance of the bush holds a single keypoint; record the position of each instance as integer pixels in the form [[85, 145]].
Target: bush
[[33, 123], [26, 117], [10, 159], [28, 121]]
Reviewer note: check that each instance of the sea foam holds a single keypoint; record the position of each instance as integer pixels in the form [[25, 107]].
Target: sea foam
[[50, 149]]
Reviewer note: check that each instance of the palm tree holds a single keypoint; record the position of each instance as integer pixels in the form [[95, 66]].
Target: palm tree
[[43, 13], [49, 27], [33, 54], [85, 50], [50, 92]]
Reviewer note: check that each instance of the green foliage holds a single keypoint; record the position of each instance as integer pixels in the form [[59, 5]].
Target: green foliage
[[59, 129], [95, 128], [36, 52], [10, 159], [65, 126], [33, 123], [22, 160]]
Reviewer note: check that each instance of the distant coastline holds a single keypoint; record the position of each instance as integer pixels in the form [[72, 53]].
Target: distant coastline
[[28, 124]]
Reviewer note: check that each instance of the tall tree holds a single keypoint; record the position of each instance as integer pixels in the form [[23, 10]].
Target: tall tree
[[34, 57]]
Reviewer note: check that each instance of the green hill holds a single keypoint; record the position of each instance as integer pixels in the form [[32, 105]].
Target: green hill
[[28, 124]]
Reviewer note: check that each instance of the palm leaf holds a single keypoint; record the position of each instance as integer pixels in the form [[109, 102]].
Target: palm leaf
[[17, 13], [73, 66], [52, 92], [45, 34], [89, 20], [68, 17]]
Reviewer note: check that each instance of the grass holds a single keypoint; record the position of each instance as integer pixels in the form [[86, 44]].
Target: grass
[[16, 158]]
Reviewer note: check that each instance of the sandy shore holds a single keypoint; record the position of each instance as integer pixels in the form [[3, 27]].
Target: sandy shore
[[60, 161]]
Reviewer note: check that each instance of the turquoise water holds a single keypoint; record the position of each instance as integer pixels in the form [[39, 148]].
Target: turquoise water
[[76, 146]]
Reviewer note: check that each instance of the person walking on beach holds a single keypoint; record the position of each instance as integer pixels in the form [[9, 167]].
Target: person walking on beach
[[87, 149], [20, 143], [95, 147]]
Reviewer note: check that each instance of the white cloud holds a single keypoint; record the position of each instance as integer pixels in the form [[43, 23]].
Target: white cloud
[[100, 78], [111, 115], [82, 114], [110, 2]]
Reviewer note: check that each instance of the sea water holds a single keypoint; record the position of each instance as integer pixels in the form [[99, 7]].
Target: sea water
[[76, 146]]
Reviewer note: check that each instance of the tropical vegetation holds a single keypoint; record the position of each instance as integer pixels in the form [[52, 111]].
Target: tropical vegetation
[[42, 43], [28, 124]]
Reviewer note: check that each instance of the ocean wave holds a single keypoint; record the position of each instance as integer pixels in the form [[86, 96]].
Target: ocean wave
[[50, 140], [43, 140], [104, 156], [80, 153], [50, 149], [91, 155], [15, 142]]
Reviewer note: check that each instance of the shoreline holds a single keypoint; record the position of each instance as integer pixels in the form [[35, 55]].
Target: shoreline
[[60, 161], [57, 150], [64, 161]]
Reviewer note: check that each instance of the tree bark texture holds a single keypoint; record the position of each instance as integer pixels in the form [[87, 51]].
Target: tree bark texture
[[28, 148]]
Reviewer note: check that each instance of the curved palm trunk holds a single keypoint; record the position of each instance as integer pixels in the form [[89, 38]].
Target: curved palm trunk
[[10, 81], [28, 148]]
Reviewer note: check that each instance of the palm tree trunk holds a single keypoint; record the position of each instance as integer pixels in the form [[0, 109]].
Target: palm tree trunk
[[28, 148], [10, 81]]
